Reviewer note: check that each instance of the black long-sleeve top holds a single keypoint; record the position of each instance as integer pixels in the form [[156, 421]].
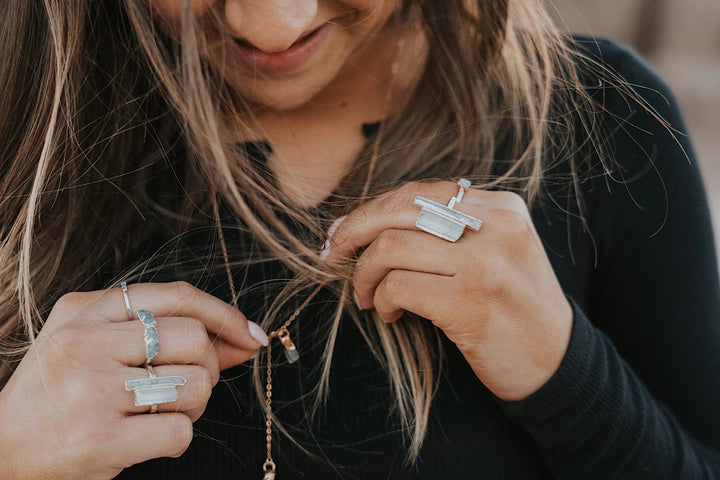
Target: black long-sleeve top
[[637, 395]]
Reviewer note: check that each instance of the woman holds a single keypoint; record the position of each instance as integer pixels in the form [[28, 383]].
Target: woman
[[247, 163]]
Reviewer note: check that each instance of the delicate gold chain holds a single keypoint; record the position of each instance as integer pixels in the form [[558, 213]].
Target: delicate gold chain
[[282, 333]]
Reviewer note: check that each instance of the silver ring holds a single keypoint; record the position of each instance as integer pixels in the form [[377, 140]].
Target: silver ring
[[444, 221], [124, 287], [151, 374], [153, 390], [464, 184], [152, 345]]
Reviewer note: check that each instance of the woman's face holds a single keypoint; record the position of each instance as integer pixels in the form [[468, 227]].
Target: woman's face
[[284, 52]]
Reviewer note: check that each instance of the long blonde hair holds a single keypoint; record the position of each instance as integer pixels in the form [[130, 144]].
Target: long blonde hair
[[102, 99]]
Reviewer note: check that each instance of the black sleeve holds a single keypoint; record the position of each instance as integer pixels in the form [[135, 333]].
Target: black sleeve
[[637, 395]]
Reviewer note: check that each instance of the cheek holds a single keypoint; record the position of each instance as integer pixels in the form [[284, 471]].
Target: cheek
[[373, 14], [170, 9], [370, 4]]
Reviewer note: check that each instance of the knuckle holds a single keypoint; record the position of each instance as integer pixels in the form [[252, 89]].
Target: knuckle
[[196, 337], [69, 303], [512, 199], [394, 284], [410, 187], [389, 241], [518, 230], [397, 201], [180, 434], [184, 292], [205, 385]]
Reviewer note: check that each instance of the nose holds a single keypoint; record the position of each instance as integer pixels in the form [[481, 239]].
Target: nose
[[271, 25]]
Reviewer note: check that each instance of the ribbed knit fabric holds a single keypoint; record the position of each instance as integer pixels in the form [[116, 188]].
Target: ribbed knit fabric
[[636, 396]]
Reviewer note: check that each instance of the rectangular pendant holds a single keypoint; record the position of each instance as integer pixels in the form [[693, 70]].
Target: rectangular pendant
[[291, 353]]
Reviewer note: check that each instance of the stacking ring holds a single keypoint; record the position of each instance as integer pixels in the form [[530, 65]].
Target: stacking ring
[[444, 221], [152, 345], [151, 374], [124, 287], [153, 390]]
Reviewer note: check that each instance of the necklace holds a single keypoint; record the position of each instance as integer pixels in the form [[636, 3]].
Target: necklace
[[282, 333]]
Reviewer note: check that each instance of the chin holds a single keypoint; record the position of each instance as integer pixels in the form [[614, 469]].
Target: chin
[[281, 98]]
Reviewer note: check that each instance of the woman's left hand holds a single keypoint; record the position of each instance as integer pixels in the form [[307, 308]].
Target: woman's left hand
[[493, 292]]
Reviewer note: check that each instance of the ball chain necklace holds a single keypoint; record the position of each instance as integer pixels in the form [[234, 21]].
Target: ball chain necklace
[[282, 333]]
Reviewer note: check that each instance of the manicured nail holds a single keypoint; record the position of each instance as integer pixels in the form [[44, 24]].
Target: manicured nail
[[258, 333], [335, 225], [357, 300], [325, 252]]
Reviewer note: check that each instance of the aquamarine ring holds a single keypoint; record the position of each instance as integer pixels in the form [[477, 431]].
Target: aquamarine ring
[[152, 345]]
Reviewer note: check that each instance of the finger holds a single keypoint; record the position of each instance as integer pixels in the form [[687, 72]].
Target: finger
[[180, 299], [192, 397], [229, 355], [424, 294], [144, 437], [395, 209], [181, 341], [403, 250]]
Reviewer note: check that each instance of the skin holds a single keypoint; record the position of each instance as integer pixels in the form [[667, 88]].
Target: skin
[[493, 293], [65, 410]]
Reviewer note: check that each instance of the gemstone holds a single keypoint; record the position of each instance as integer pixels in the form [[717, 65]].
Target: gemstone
[[440, 226], [152, 395], [152, 344], [151, 333], [292, 355], [146, 317]]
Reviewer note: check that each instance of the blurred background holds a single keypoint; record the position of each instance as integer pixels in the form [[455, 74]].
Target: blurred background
[[681, 40]]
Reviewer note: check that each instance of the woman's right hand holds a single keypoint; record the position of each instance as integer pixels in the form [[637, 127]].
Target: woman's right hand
[[65, 413]]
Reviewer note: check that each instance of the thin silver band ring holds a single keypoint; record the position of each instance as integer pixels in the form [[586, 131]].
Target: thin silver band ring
[[124, 287]]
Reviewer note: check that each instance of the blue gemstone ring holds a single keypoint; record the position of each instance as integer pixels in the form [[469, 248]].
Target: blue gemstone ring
[[151, 334]]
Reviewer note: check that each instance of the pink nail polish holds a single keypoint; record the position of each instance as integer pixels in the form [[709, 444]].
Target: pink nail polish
[[325, 252], [334, 226], [258, 333]]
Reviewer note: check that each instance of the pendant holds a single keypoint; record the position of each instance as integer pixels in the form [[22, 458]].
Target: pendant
[[291, 352], [269, 469]]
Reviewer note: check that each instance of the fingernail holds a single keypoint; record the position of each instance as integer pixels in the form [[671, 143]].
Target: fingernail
[[334, 226], [258, 333], [325, 252], [357, 300]]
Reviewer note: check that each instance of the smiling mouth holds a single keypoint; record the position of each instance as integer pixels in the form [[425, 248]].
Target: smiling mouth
[[299, 41], [281, 62]]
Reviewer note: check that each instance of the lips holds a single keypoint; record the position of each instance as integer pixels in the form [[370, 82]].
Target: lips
[[293, 57]]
